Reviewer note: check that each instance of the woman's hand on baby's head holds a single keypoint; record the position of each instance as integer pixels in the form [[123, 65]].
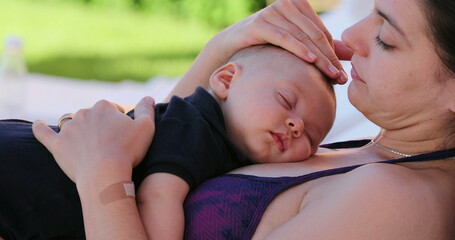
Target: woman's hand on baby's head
[[100, 139], [294, 26]]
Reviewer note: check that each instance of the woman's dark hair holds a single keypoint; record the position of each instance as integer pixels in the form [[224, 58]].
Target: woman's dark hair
[[441, 19], [441, 26]]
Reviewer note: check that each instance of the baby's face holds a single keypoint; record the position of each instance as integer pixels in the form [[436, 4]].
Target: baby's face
[[279, 112]]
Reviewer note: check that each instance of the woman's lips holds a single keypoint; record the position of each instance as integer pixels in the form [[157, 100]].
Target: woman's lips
[[355, 76], [281, 141]]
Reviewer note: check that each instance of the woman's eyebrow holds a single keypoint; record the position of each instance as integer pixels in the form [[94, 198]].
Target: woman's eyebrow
[[393, 23]]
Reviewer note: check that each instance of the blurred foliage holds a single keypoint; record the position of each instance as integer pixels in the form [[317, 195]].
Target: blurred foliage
[[217, 13], [113, 40]]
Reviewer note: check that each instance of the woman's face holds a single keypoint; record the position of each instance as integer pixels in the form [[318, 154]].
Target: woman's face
[[395, 66]]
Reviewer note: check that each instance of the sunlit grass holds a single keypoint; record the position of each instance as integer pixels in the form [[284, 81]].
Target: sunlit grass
[[73, 40]]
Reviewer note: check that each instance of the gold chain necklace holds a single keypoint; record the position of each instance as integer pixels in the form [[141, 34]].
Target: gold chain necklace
[[390, 150]]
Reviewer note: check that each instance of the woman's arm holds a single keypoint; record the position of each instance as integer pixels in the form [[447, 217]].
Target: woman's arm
[[97, 149], [291, 24]]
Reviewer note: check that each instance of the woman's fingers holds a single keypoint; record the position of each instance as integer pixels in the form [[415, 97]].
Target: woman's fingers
[[44, 134], [290, 24], [104, 105], [50, 139], [342, 52], [144, 116], [306, 9], [293, 25], [308, 25], [145, 108], [98, 137], [281, 37], [308, 33]]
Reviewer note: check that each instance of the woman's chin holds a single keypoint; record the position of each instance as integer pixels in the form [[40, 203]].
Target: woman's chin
[[355, 96], [352, 93]]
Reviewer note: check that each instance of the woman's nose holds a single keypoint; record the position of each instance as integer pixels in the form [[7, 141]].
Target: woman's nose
[[355, 38], [295, 125]]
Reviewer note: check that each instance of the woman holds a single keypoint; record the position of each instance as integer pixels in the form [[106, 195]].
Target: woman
[[403, 80]]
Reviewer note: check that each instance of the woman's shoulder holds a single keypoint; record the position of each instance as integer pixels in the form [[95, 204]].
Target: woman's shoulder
[[384, 173], [403, 197], [377, 201], [396, 180], [388, 201]]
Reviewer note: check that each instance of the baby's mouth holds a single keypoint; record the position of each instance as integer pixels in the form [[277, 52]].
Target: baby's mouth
[[281, 141]]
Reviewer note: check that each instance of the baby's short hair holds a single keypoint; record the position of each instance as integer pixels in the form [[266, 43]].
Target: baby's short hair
[[270, 53]]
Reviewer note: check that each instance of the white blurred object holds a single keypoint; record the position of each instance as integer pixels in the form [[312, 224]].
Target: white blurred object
[[360, 8], [49, 97], [13, 74]]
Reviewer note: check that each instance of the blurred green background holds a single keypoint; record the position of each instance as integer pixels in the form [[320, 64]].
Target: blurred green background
[[114, 40]]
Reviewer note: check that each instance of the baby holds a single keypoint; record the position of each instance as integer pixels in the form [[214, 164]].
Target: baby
[[265, 106]]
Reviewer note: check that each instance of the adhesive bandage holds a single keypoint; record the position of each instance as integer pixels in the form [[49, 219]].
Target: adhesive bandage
[[117, 191]]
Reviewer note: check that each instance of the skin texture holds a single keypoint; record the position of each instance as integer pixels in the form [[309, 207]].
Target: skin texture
[[290, 24], [277, 108], [91, 155], [406, 201], [249, 88], [408, 101]]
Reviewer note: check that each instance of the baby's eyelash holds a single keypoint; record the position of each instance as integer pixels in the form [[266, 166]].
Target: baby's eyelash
[[285, 101], [384, 46]]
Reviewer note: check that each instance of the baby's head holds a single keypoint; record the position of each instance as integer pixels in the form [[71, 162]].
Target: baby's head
[[277, 108]]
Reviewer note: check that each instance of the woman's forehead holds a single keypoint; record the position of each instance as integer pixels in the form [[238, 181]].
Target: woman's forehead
[[406, 16]]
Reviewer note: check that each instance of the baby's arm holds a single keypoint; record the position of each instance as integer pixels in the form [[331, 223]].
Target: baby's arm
[[160, 202]]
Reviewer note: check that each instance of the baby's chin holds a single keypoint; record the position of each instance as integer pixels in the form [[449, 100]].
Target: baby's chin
[[269, 155], [257, 158], [259, 161], [269, 159], [279, 159]]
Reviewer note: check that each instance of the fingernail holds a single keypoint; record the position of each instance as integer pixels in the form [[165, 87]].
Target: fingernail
[[333, 69], [343, 77], [39, 121], [312, 56]]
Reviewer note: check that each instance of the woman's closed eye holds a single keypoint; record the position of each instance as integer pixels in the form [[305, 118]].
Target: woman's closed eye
[[384, 46]]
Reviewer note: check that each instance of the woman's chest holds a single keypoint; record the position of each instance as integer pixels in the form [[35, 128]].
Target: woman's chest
[[288, 204]]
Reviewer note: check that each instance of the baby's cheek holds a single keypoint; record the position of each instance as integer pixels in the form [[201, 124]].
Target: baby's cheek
[[304, 151], [260, 152]]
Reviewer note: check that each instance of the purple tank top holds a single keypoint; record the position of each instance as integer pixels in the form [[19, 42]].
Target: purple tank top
[[231, 206]]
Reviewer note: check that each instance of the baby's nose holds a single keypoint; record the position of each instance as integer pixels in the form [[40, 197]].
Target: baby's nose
[[295, 125]]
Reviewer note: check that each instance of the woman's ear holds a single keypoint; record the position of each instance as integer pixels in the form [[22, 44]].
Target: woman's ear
[[222, 79]]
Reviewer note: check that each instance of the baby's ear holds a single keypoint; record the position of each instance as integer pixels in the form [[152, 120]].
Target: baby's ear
[[222, 78]]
